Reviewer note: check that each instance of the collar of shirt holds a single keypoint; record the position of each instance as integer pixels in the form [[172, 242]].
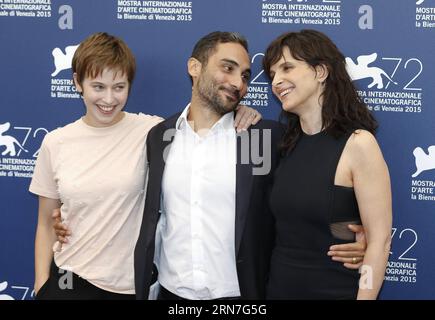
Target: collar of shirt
[[226, 122]]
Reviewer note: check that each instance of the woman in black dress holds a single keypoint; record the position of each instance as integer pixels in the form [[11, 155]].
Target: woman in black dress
[[332, 174]]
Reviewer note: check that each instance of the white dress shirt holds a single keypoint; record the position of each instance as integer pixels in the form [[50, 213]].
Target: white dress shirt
[[197, 253]]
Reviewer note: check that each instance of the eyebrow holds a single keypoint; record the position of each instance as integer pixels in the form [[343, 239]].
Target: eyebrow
[[102, 83], [285, 63], [281, 65], [234, 63]]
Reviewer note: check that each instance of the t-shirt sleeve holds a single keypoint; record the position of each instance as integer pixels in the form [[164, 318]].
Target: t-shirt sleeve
[[43, 181], [149, 120]]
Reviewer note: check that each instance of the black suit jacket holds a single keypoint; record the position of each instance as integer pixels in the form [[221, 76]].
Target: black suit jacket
[[254, 233]]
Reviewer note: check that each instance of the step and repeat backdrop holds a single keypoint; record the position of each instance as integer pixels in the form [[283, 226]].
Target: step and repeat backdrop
[[390, 52]]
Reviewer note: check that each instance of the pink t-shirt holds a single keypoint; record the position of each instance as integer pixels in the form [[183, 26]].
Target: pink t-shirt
[[99, 175]]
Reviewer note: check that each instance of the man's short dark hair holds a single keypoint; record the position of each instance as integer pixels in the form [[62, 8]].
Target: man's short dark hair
[[206, 46]]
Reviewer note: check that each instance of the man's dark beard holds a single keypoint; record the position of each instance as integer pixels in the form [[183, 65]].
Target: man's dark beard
[[214, 101]]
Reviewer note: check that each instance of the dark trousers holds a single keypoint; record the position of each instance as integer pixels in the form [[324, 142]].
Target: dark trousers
[[165, 294], [58, 287]]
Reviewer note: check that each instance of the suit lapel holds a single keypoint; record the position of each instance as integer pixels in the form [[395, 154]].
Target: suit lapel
[[165, 137], [244, 181], [161, 143]]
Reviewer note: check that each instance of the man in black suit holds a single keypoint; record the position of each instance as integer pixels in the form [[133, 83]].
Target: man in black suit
[[206, 223], [231, 258]]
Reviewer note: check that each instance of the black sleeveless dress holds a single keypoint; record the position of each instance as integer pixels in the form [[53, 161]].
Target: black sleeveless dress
[[311, 214]]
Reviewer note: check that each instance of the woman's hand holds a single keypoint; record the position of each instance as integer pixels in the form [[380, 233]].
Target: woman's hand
[[246, 117]]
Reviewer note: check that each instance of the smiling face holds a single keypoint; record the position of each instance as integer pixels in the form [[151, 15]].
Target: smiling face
[[223, 81], [296, 84], [104, 97]]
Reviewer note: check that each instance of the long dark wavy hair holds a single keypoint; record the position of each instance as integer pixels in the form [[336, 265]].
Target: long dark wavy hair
[[343, 110]]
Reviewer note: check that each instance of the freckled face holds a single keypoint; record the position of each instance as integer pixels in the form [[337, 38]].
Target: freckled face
[[104, 97]]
